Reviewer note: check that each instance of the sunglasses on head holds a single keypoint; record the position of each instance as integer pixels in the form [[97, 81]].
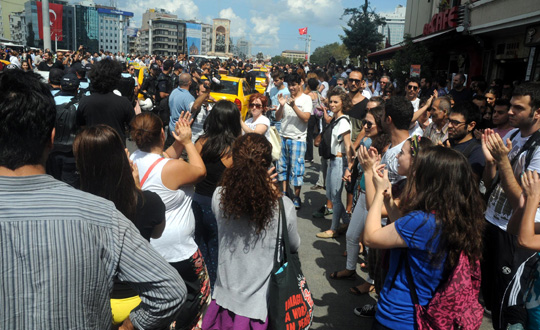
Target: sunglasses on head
[[367, 123], [256, 106], [412, 87]]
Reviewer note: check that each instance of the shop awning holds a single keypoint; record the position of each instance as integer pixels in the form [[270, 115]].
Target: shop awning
[[388, 53]]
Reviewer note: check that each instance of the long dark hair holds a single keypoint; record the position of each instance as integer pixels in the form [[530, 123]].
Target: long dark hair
[[221, 128], [441, 181], [104, 168], [247, 189]]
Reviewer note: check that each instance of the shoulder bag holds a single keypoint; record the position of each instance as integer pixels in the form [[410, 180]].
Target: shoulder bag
[[290, 305]]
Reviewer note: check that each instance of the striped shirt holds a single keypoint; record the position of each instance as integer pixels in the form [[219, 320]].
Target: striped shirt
[[62, 248]]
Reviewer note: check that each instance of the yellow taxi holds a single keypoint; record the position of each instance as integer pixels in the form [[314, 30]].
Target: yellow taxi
[[235, 90], [260, 79]]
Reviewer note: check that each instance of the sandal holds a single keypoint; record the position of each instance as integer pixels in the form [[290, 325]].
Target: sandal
[[357, 292], [335, 276]]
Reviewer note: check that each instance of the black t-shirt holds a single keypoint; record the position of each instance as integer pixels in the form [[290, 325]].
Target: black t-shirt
[[472, 149], [58, 65], [356, 115], [43, 66], [464, 96], [164, 85], [109, 109], [150, 213]]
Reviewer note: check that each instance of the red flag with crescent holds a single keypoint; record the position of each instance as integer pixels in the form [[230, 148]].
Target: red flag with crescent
[[302, 31], [55, 16]]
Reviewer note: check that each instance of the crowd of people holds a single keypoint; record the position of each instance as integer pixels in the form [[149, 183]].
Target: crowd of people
[[181, 233]]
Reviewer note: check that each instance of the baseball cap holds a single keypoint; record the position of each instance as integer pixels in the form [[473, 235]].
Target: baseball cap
[[69, 82], [168, 64], [55, 76], [178, 66]]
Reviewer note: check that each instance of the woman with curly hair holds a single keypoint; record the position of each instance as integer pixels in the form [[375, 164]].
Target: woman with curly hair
[[172, 178], [221, 129], [246, 206], [442, 218], [342, 155]]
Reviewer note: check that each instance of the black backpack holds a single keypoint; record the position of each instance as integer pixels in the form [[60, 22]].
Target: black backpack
[[66, 125], [326, 141]]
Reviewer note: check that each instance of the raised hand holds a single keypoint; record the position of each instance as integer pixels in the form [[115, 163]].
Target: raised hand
[[496, 146], [282, 99], [182, 129], [380, 178], [530, 182]]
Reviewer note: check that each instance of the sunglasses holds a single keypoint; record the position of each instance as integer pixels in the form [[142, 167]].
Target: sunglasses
[[355, 80], [412, 87], [367, 123], [256, 106]]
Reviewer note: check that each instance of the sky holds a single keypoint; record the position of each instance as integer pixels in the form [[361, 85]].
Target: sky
[[271, 25]]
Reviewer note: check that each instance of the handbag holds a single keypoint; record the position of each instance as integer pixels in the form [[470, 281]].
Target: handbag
[[290, 305], [455, 302], [275, 141]]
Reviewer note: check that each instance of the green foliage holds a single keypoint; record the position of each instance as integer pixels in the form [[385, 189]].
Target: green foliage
[[361, 36], [260, 56], [411, 53], [321, 55]]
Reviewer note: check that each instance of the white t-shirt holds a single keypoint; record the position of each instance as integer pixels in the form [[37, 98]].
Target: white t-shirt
[[366, 93], [177, 242], [197, 128], [293, 127], [262, 120], [499, 209], [325, 89], [416, 104], [390, 159], [342, 127], [416, 130]]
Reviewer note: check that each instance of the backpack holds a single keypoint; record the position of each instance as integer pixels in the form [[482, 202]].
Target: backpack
[[326, 140], [455, 302], [66, 125]]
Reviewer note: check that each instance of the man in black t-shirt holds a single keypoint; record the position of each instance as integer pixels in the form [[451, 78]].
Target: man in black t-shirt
[[358, 111], [462, 121], [460, 93], [103, 106]]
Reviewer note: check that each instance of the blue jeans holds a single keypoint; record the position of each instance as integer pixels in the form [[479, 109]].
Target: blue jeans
[[206, 233], [334, 189], [356, 227]]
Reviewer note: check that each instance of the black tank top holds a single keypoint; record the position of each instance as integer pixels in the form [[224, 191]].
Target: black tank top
[[214, 170]]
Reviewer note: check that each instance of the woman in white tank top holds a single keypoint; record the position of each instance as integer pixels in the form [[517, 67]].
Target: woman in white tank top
[[173, 179]]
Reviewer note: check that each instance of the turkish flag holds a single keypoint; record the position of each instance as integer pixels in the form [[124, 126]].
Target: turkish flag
[[302, 31], [55, 16]]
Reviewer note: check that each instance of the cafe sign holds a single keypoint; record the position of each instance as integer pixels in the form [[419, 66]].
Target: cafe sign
[[442, 21]]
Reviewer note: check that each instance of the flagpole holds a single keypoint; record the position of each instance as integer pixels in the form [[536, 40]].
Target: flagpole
[[46, 21]]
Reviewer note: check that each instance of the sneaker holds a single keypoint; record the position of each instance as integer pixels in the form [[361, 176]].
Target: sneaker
[[297, 203], [365, 311]]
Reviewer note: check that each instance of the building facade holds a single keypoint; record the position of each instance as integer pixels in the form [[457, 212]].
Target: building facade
[[294, 55], [6, 8], [69, 33], [112, 29], [221, 40], [17, 27], [243, 48], [206, 42], [492, 39], [394, 29]]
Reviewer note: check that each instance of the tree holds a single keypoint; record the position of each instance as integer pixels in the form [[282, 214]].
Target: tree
[[260, 56], [321, 55], [361, 35], [411, 53]]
